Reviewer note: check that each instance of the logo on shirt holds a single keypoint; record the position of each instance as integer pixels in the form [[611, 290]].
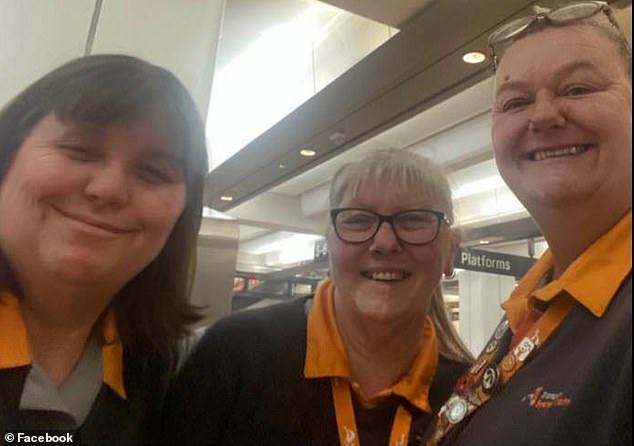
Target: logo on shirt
[[540, 399]]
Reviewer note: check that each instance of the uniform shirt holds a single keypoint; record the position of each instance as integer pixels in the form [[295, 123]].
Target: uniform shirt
[[100, 362], [577, 387], [326, 356]]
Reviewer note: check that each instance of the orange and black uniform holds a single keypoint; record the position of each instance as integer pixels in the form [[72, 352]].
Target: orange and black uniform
[[576, 389], [126, 401], [264, 377]]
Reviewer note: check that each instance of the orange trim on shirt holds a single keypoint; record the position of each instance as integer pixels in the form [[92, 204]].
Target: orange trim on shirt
[[14, 344], [112, 355], [592, 279], [326, 355]]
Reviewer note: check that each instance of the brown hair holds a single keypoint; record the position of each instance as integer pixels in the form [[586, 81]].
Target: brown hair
[[415, 173], [153, 309]]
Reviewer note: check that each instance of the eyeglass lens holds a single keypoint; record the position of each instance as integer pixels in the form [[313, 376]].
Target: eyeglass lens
[[416, 227]]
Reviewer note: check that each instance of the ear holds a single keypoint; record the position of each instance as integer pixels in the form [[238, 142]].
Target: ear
[[454, 243]]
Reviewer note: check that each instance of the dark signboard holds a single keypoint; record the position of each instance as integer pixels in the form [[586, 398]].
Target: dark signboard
[[321, 251], [492, 262]]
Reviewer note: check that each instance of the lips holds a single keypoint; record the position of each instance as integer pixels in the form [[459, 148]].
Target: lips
[[95, 222], [557, 152]]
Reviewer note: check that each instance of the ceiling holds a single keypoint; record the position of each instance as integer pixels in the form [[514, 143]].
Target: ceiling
[[413, 92]]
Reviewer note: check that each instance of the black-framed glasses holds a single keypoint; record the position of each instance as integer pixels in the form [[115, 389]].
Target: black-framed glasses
[[414, 226], [556, 17]]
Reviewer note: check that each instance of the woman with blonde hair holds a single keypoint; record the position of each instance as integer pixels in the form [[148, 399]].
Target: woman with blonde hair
[[369, 358]]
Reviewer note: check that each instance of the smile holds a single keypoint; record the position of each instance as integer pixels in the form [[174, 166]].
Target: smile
[[540, 155], [95, 223], [386, 276]]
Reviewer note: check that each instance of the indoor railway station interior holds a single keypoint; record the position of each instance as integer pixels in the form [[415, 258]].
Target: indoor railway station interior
[[290, 91]]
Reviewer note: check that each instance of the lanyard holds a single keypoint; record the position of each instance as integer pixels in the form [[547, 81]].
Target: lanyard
[[347, 425], [474, 389]]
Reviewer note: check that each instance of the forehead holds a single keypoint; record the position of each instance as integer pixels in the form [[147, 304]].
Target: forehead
[[552, 47], [152, 132], [394, 195]]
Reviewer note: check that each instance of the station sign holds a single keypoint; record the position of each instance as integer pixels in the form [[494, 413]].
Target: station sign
[[468, 259], [492, 262]]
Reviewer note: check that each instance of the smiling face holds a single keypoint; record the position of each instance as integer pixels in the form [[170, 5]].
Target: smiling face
[[383, 279], [562, 121], [90, 206]]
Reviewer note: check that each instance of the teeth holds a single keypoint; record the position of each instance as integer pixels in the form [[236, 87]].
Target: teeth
[[387, 276], [565, 151]]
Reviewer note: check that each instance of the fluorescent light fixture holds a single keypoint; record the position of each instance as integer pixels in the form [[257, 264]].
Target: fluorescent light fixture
[[478, 186], [226, 198]]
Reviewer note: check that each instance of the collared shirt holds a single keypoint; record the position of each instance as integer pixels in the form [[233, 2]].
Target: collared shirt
[[326, 355], [76, 394], [592, 279]]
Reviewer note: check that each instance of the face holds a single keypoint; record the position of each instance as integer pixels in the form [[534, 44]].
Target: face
[[562, 121], [383, 279], [90, 206]]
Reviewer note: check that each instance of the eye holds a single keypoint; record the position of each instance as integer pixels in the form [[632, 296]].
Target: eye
[[414, 221], [513, 104], [155, 174], [356, 219], [578, 90], [78, 152]]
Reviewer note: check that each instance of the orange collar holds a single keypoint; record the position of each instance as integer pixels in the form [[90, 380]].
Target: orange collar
[[14, 345], [592, 279], [326, 354]]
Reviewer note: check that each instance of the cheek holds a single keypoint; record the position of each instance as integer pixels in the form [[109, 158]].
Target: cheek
[[160, 210], [343, 260], [431, 260]]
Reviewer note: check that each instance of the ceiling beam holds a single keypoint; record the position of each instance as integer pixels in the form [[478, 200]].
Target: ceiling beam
[[416, 69]]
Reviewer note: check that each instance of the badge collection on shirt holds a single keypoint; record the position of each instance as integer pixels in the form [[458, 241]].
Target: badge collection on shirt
[[495, 366]]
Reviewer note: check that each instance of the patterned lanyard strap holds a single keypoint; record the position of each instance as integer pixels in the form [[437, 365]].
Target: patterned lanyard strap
[[347, 425], [475, 388]]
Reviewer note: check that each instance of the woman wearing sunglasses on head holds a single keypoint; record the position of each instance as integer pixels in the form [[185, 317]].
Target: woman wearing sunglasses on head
[[558, 369], [102, 163], [369, 358]]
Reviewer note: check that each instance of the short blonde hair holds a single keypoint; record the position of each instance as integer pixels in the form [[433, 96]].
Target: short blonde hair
[[397, 168]]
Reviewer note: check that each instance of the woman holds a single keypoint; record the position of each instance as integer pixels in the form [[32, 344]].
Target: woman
[[102, 163], [360, 363], [558, 369]]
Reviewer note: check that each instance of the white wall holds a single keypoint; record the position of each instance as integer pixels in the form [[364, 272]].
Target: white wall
[[38, 35]]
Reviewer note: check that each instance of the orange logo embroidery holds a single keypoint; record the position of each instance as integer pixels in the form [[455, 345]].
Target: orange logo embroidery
[[540, 399]]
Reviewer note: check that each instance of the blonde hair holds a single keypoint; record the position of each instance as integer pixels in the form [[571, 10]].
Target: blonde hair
[[400, 168], [450, 344], [406, 171]]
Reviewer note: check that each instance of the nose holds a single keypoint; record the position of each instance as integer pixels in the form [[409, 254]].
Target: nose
[[385, 240], [108, 185], [546, 113]]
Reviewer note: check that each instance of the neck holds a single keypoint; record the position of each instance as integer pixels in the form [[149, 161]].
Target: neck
[[59, 320], [379, 354], [570, 232]]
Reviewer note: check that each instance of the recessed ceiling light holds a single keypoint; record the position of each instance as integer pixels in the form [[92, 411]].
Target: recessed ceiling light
[[226, 198], [484, 242], [307, 152], [474, 57], [282, 166]]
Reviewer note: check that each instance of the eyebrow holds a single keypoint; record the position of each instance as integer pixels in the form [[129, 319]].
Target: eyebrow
[[564, 71]]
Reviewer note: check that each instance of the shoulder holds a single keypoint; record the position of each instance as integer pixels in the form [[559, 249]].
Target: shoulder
[[258, 328], [447, 374]]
